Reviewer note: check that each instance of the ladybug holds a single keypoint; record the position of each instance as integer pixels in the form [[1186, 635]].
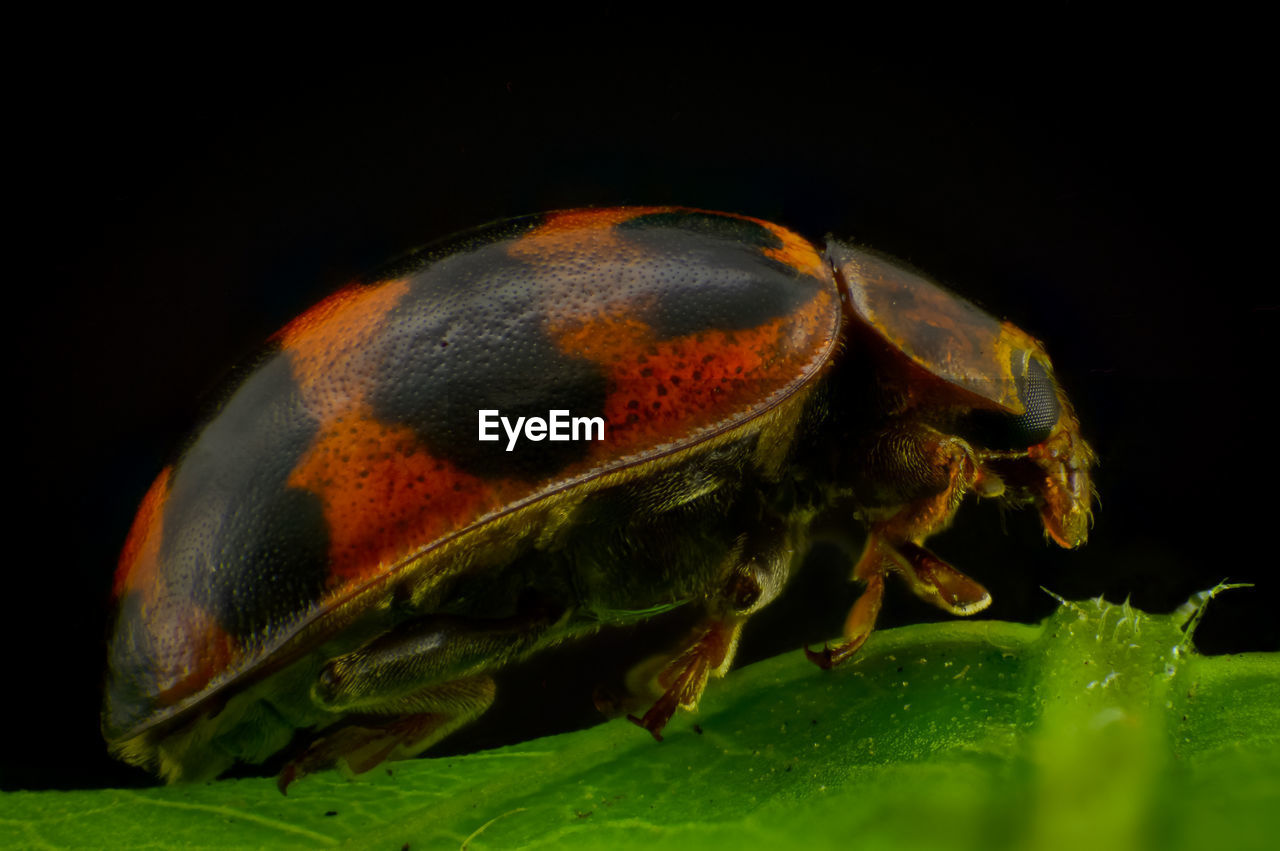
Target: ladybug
[[543, 428]]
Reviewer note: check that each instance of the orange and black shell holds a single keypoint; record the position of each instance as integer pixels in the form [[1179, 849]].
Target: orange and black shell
[[346, 460], [348, 453]]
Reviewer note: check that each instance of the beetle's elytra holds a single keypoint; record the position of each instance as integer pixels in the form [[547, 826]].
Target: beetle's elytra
[[337, 551]]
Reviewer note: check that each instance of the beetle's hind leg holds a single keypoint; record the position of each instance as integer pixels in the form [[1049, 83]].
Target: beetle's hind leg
[[416, 722], [409, 688]]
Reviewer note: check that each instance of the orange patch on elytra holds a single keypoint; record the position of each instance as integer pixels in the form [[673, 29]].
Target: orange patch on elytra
[[328, 345], [796, 251], [571, 233], [189, 658], [139, 560], [661, 391], [576, 232], [384, 494]]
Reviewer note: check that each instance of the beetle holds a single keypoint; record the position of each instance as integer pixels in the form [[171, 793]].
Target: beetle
[[338, 551]]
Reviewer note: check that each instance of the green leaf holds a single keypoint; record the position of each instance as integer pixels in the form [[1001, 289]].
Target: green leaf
[[1100, 728]]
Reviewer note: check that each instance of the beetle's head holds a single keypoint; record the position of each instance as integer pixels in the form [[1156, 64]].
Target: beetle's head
[[1038, 454], [992, 383]]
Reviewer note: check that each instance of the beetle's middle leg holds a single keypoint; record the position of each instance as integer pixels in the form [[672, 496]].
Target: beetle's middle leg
[[927, 474], [409, 688], [760, 567]]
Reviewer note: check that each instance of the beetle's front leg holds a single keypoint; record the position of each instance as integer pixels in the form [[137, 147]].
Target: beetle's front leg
[[409, 688], [929, 578], [914, 477], [930, 473]]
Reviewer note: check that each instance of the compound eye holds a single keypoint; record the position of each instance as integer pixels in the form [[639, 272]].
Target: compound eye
[[1040, 398]]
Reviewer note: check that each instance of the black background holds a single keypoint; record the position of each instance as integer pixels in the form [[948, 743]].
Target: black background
[[179, 208]]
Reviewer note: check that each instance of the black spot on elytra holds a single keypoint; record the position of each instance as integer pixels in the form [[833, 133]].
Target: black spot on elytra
[[130, 695], [415, 261], [238, 541], [711, 273], [487, 307], [708, 224]]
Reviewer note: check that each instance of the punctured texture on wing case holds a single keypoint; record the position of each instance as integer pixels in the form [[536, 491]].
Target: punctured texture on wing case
[[350, 448]]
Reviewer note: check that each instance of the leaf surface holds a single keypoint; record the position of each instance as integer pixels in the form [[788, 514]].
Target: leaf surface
[[1100, 728]]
